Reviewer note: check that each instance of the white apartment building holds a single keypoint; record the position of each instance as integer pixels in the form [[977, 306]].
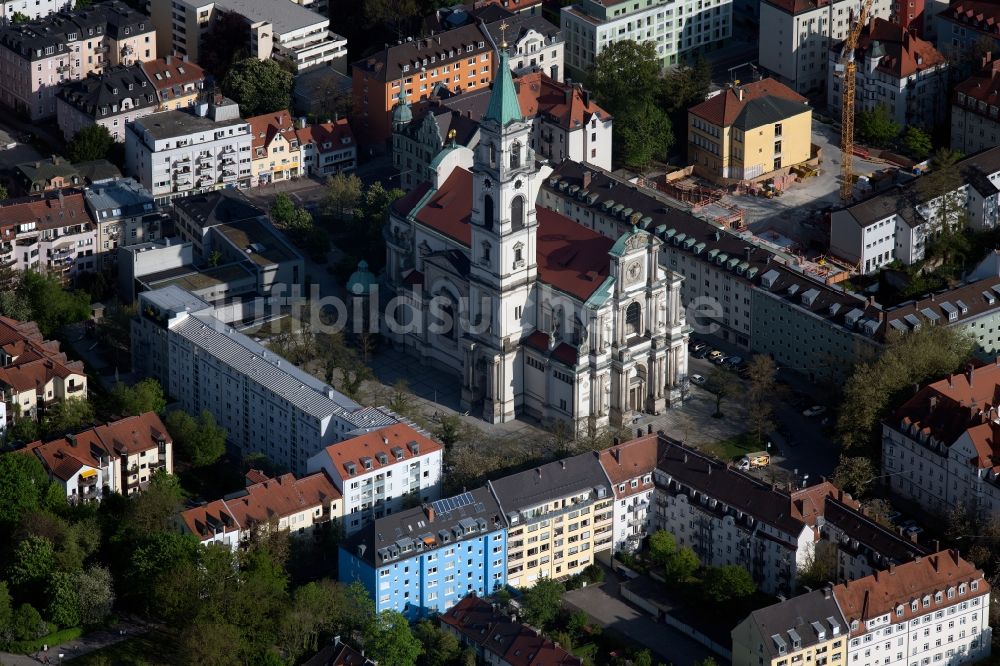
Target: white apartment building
[[629, 467], [278, 29], [33, 9], [975, 112], [264, 402], [177, 153], [800, 34], [677, 29], [382, 472], [933, 610], [533, 43], [125, 214]]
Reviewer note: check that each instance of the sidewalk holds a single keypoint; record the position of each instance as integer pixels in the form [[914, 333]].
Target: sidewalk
[[78, 647]]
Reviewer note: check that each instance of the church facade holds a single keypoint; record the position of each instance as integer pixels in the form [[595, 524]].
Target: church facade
[[533, 312]]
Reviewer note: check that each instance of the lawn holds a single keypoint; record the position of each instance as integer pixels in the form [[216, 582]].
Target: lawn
[[155, 648], [732, 448]]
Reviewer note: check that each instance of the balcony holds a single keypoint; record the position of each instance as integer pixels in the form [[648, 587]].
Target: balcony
[[184, 161], [204, 158], [228, 176], [62, 69]]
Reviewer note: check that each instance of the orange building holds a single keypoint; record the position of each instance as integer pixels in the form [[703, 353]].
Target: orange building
[[459, 59]]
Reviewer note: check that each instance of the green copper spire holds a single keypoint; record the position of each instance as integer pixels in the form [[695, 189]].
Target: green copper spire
[[504, 107]]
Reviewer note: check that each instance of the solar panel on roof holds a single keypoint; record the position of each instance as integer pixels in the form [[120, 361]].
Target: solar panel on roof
[[898, 325], [451, 503], [930, 314], [996, 288]]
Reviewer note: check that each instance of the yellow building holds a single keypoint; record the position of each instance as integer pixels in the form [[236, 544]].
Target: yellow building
[[276, 154], [752, 132], [560, 515], [807, 630], [177, 81]]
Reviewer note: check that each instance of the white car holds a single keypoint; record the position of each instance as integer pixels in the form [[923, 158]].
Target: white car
[[815, 410], [697, 380]]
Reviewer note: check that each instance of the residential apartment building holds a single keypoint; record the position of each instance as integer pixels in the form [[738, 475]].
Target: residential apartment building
[[533, 43], [761, 299], [898, 224], [178, 82], [32, 9], [52, 232], [264, 402], [40, 176], [458, 59], [800, 34], [301, 506], [276, 153], [176, 153], [382, 472], [116, 96], [499, 639], [750, 131], [629, 467], [558, 515], [967, 28], [327, 148], [39, 56], [975, 125], [34, 372], [279, 29], [807, 629], [678, 30], [425, 560], [896, 69], [938, 448], [932, 610], [117, 457], [125, 214]]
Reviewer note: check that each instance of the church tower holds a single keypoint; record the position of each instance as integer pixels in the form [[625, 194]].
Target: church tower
[[502, 270]]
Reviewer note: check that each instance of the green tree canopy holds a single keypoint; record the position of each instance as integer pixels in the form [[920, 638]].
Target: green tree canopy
[[876, 127], [662, 545], [917, 143], [199, 441], [93, 142], [27, 623], [854, 474], [728, 583], [624, 73], [722, 384], [440, 648], [258, 86], [23, 483], [343, 193], [67, 416], [645, 136], [681, 565], [144, 396], [684, 86], [541, 602], [388, 640], [31, 566], [64, 601], [51, 306]]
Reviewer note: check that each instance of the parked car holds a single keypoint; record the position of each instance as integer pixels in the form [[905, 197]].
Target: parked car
[[715, 356], [755, 460], [697, 380], [732, 361], [701, 353], [815, 410], [697, 346]]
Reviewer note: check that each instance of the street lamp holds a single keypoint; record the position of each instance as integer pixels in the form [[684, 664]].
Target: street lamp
[[61, 655]]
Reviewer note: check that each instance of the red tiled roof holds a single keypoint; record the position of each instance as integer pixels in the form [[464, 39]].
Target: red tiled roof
[[369, 445], [798, 6], [565, 353], [171, 74], [571, 257], [404, 204], [631, 460], [984, 86], [338, 134], [566, 104], [264, 128], [449, 209], [34, 374], [64, 456], [884, 591], [980, 15], [33, 360], [60, 208], [905, 54], [723, 109]]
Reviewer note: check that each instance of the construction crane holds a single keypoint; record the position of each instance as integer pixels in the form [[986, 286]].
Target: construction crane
[[849, 69]]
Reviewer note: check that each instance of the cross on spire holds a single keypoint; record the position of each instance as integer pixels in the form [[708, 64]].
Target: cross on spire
[[503, 34]]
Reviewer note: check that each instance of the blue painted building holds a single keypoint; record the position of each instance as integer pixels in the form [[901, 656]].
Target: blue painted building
[[425, 560]]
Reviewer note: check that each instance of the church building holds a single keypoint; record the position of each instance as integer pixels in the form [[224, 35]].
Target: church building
[[535, 313]]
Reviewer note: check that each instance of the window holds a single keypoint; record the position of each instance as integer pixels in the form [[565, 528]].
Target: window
[[517, 214], [515, 155], [488, 211], [633, 319]]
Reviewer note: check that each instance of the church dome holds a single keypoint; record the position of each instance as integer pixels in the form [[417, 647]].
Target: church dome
[[401, 113], [361, 281]]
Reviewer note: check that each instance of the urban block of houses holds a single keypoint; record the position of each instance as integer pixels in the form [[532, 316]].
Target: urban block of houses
[[125, 214], [897, 225], [751, 131], [629, 467], [338, 653], [32, 9], [116, 96], [896, 69], [426, 559], [178, 82], [967, 26], [300, 506], [799, 34], [53, 232], [974, 109], [286, 31], [117, 457], [266, 403], [678, 30], [808, 628], [327, 148], [34, 372], [57, 173], [533, 42], [39, 56], [499, 639], [276, 152], [382, 472]]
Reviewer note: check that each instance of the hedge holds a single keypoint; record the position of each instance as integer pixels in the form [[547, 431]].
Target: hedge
[[53, 639]]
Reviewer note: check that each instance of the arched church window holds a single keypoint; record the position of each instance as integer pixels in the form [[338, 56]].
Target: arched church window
[[517, 213], [488, 212], [486, 253], [492, 150], [633, 319], [518, 253], [515, 155]]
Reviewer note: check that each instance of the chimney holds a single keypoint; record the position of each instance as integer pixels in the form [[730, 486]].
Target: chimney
[[585, 183], [827, 592], [562, 463], [934, 402], [429, 510], [892, 569], [739, 93], [616, 453], [649, 428], [937, 545], [951, 381], [616, 441], [968, 373], [638, 432], [568, 93], [168, 59], [685, 457], [538, 471]]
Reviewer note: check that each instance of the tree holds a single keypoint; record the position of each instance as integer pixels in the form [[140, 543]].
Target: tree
[[398, 14], [624, 73], [211, 644], [681, 565], [31, 566], [3, 193], [199, 441], [27, 623], [878, 510], [642, 134], [258, 86], [821, 566], [950, 216], [6, 611], [917, 143], [52, 307], [282, 209], [23, 482], [913, 358], [64, 601], [343, 192], [449, 430], [685, 86], [440, 648], [18, 17], [662, 545], [226, 41], [152, 512], [728, 583], [760, 396], [67, 416], [876, 127], [854, 474], [388, 640], [144, 396], [93, 142], [722, 384], [95, 590], [541, 602]]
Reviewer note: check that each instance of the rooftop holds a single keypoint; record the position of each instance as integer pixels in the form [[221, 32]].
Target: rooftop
[[799, 622], [124, 194], [258, 242], [284, 18], [58, 208], [630, 460], [217, 207], [560, 479], [379, 448], [106, 94], [751, 105], [170, 124], [444, 47], [901, 54], [171, 75]]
